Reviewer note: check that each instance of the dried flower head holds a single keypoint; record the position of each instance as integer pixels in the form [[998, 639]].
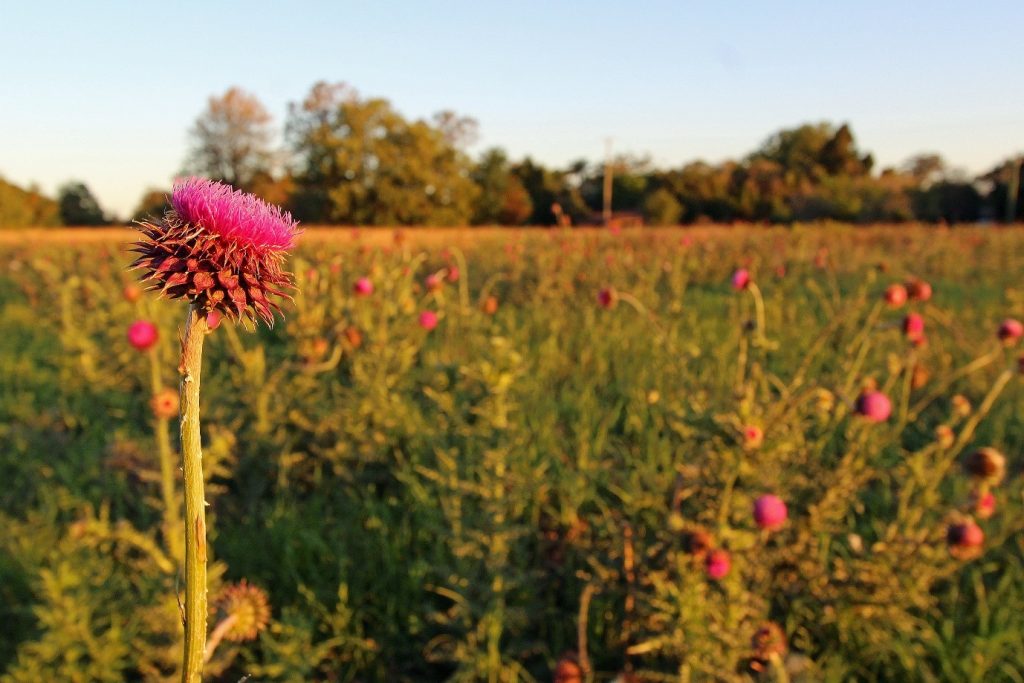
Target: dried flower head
[[986, 465], [698, 542], [248, 607], [768, 640], [220, 248]]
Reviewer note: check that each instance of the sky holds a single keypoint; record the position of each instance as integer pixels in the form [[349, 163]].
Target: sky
[[105, 92]]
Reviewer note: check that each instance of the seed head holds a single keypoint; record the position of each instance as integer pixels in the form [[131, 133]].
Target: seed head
[[250, 608], [987, 465], [142, 334], [219, 248]]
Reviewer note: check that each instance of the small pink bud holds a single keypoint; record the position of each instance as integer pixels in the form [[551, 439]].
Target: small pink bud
[[741, 279], [965, 540], [717, 564], [913, 327], [607, 298], [363, 287], [131, 293], [874, 405], [1010, 331], [453, 274], [432, 282], [142, 334], [770, 512], [896, 295], [428, 320], [984, 504], [753, 437]]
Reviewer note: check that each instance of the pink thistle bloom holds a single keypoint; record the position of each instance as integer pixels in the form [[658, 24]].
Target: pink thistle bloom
[[363, 287], [1010, 331], [919, 290], [142, 334], [428, 320], [753, 436], [965, 540], [896, 295], [607, 298], [453, 274], [717, 564], [984, 504], [232, 214], [913, 327], [219, 248], [874, 405], [433, 282], [770, 512], [741, 279]]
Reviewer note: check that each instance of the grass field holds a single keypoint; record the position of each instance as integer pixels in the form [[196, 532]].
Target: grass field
[[556, 482]]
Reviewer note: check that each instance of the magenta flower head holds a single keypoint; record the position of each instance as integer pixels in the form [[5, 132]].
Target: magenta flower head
[[717, 564], [363, 287], [741, 279], [965, 540], [607, 297], [913, 327], [770, 512], [874, 405], [142, 334], [1010, 331], [220, 248], [428, 320]]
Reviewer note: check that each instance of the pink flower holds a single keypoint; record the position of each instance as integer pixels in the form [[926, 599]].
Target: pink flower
[[984, 504], [428, 320], [142, 334], [717, 564], [233, 215], [363, 287], [913, 327], [1010, 331], [220, 249], [770, 512], [965, 540], [753, 437], [896, 295], [874, 405], [213, 319], [433, 282], [919, 290], [453, 274], [607, 298], [741, 279]]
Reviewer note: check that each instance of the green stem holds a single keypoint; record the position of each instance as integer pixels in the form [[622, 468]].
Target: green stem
[[195, 503], [172, 512]]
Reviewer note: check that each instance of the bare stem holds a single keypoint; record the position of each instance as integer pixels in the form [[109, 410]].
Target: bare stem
[[195, 504]]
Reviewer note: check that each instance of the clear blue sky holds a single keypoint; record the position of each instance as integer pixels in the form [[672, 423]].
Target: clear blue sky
[[106, 91]]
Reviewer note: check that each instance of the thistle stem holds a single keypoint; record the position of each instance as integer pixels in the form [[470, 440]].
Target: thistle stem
[[195, 504]]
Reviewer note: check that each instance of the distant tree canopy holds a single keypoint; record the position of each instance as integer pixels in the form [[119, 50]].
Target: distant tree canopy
[[152, 205], [78, 206], [232, 140], [21, 208]]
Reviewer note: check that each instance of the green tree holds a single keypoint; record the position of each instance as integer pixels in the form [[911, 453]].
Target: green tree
[[358, 161], [662, 208], [231, 140], [21, 208], [501, 199], [78, 206], [153, 204]]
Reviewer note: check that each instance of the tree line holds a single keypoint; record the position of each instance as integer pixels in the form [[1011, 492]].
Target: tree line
[[353, 160]]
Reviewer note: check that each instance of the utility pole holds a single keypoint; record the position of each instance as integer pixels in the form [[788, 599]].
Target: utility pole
[[607, 213], [1012, 188]]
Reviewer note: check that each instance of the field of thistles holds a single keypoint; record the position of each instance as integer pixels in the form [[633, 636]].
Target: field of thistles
[[659, 455]]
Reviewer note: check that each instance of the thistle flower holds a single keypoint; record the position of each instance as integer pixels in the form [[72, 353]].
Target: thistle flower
[[428, 320], [740, 279], [142, 334], [164, 404], [895, 295], [220, 248], [433, 282], [607, 297], [753, 437], [919, 290], [913, 327], [363, 287], [490, 305], [874, 405], [717, 564], [353, 336], [131, 293], [568, 669], [1010, 331], [987, 465], [770, 512], [945, 436], [768, 640], [248, 609], [453, 274], [983, 504], [965, 540]]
